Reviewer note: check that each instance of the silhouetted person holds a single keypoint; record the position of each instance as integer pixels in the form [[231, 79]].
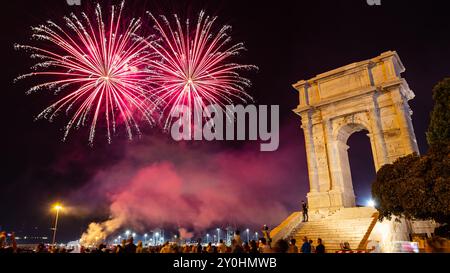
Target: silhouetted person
[[130, 247], [292, 247], [305, 211], [320, 248], [253, 247], [281, 246], [199, 246], [306, 247], [266, 234]]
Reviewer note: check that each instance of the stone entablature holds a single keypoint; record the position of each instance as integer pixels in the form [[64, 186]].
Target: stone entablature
[[369, 95]]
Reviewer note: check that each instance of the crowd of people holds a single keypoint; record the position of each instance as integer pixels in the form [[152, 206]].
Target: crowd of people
[[263, 245]]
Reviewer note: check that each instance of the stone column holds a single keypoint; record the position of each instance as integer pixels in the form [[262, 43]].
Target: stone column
[[377, 138], [404, 123], [310, 153], [332, 155]]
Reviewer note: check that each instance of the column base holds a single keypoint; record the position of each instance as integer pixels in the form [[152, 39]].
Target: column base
[[330, 200]]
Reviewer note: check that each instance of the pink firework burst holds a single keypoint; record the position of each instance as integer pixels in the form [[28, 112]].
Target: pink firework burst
[[195, 64], [98, 69]]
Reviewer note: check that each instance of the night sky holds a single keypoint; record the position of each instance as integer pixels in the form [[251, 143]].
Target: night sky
[[288, 40]]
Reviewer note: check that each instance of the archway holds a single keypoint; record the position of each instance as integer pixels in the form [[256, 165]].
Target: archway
[[369, 95]]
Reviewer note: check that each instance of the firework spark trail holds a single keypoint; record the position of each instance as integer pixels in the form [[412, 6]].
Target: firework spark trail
[[195, 65], [100, 69]]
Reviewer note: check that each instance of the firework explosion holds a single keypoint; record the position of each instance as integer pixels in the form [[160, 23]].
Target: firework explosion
[[99, 70], [193, 67], [108, 71]]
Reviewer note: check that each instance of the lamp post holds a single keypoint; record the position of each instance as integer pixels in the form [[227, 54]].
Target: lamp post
[[248, 235], [256, 236], [57, 207], [145, 238], [218, 235], [207, 238]]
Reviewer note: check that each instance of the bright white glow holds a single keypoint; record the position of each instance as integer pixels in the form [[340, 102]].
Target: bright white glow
[[371, 203]]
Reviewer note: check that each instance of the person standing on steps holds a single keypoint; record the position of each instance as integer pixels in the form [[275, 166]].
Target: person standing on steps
[[305, 211]]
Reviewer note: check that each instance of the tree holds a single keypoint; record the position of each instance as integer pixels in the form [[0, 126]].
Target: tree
[[439, 128], [418, 187]]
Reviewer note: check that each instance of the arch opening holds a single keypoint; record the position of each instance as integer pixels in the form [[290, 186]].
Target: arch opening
[[362, 167]]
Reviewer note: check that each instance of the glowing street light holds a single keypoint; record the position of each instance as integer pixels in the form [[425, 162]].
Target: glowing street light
[[256, 235], [207, 238], [134, 235], [248, 235], [57, 207], [218, 234], [371, 203], [127, 233], [145, 238]]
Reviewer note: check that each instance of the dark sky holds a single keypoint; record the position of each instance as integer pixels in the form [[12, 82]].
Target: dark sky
[[288, 40]]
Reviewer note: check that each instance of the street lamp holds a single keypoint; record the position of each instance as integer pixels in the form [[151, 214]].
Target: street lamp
[[207, 238], [57, 207], [134, 235], [145, 238], [248, 235], [256, 236], [218, 235], [127, 233]]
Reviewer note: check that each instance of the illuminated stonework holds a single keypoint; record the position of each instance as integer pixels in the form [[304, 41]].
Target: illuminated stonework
[[369, 95]]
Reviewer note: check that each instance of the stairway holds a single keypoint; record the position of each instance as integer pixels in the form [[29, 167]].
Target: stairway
[[352, 225]]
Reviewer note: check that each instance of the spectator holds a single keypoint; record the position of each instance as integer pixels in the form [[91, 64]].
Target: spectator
[[292, 246], [130, 247], [305, 211], [221, 247], [263, 246], [345, 246], [320, 248], [306, 247], [253, 247], [199, 246], [139, 248], [209, 248], [281, 246], [313, 249], [266, 234], [166, 248], [2, 239], [246, 248], [13, 242]]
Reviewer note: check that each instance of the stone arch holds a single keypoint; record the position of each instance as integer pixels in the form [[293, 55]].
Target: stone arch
[[368, 95]]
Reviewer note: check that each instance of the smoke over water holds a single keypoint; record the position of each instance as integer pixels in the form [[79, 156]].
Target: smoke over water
[[191, 189]]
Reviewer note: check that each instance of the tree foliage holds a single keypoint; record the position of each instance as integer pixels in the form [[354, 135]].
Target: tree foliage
[[439, 129], [418, 187]]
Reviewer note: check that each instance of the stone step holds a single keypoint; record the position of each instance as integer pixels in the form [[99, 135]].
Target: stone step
[[345, 225]]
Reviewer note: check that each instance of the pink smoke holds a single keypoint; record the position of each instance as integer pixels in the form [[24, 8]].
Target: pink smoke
[[186, 186]]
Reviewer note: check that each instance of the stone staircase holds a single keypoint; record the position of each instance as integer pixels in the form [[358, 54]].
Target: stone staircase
[[352, 225]]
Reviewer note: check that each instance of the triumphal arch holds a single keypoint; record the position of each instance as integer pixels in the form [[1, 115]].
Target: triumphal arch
[[369, 95]]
